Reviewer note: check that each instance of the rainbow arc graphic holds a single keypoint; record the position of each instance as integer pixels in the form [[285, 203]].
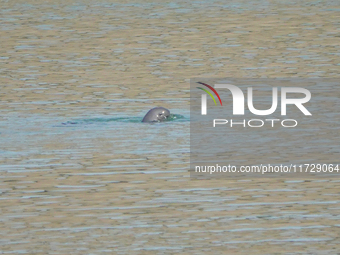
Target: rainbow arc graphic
[[209, 93], [204, 97]]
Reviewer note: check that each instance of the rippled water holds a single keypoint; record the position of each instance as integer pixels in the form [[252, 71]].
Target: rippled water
[[79, 172]]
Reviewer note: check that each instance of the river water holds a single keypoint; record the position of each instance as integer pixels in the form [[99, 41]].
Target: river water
[[79, 172]]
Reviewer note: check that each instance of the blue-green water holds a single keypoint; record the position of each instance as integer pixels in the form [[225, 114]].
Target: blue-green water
[[172, 117]]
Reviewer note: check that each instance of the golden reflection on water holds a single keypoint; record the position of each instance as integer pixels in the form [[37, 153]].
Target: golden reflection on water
[[124, 188]]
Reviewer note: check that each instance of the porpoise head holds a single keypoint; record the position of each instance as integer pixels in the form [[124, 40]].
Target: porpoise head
[[156, 114]]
